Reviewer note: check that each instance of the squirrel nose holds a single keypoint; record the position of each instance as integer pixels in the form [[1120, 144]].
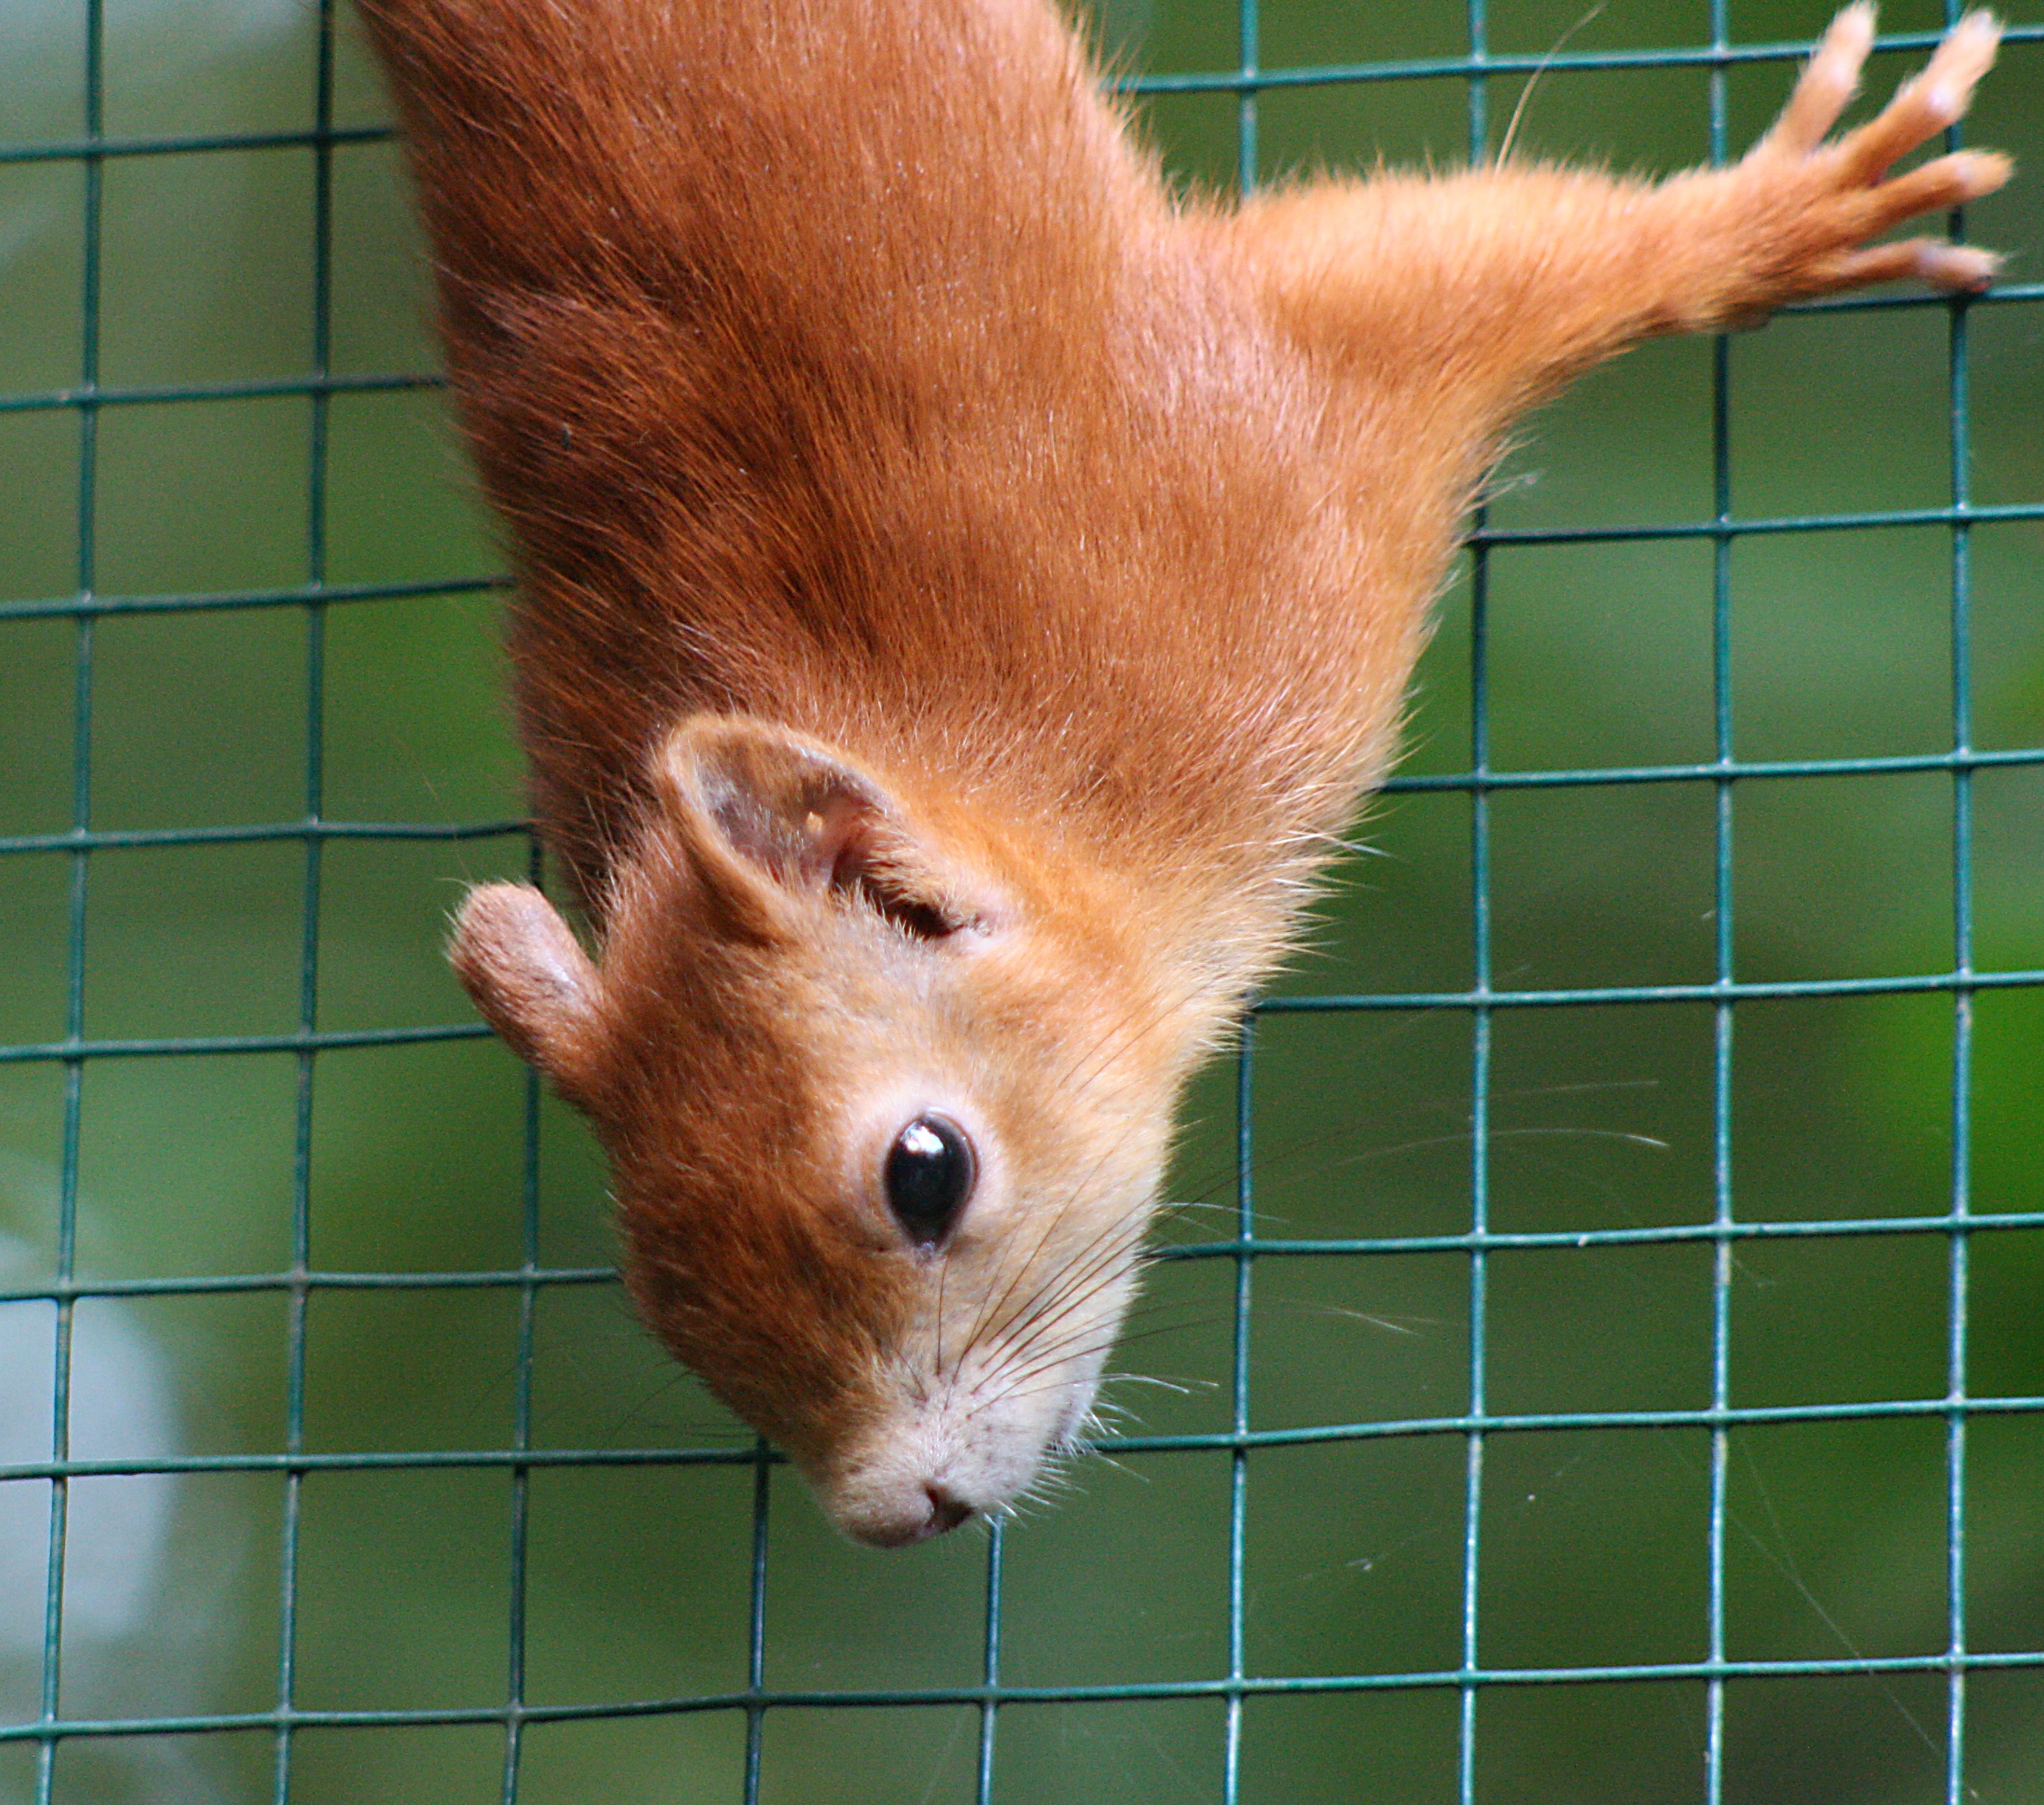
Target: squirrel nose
[[894, 1509]]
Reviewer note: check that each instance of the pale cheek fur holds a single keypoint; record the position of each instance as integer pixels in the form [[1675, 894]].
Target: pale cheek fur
[[923, 518]]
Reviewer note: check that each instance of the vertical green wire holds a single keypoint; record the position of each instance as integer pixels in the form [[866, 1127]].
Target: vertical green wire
[[756, 1652], [1721, 1012], [1962, 1040], [1962, 1033], [990, 1673], [1479, 152], [1247, 54], [74, 1068], [1238, 1497], [315, 756], [522, 1417]]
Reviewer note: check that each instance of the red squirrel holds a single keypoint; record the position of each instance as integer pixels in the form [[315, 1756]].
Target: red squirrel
[[964, 590]]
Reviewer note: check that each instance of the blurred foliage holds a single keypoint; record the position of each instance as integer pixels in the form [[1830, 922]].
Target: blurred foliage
[[1595, 1544]]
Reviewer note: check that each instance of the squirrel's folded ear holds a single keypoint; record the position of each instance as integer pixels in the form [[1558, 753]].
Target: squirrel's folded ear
[[533, 982], [778, 824]]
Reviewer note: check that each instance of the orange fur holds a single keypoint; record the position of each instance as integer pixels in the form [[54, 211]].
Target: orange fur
[[961, 589]]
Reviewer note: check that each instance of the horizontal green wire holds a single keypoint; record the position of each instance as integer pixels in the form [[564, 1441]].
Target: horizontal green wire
[[1229, 81], [1954, 514], [1672, 1234], [1250, 1686], [1489, 1422], [1759, 990], [117, 839], [1435, 68], [295, 595], [2001, 294], [54, 1051], [258, 388], [98, 148], [391, 1460], [1714, 771], [509, 1278], [377, 1460], [98, 840], [253, 388], [181, 1047], [209, 1285]]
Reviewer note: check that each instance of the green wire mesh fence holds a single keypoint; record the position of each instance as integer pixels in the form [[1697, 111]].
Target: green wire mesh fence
[[987, 1700]]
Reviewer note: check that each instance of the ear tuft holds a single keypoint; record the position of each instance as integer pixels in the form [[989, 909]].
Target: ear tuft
[[534, 983], [782, 818]]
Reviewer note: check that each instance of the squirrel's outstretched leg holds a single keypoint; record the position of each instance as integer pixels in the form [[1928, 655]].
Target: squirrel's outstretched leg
[[1485, 291]]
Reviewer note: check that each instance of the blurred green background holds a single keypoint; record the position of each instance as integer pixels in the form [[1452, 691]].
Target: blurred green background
[[1594, 1548]]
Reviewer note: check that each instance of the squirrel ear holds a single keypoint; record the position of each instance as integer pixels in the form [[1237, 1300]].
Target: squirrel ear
[[532, 982], [776, 822]]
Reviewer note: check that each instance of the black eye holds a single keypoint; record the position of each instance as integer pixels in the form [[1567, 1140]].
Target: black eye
[[931, 1172]]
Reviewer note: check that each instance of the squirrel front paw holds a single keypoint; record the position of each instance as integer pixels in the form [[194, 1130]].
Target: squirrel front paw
[[1819, 200]]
